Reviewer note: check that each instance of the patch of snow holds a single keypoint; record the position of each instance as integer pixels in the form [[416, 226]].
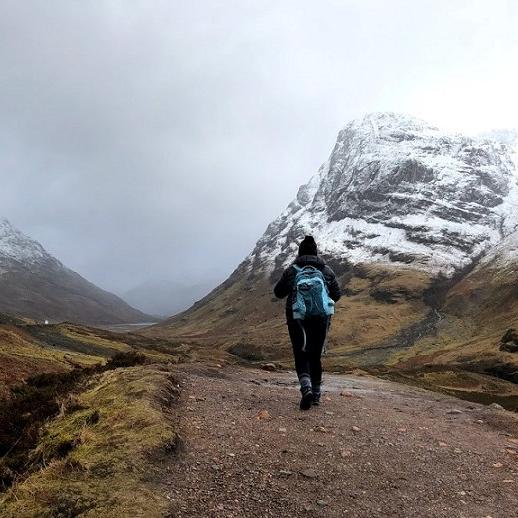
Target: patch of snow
[[16, 246]]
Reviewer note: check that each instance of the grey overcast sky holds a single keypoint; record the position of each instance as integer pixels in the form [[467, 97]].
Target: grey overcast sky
[[156, 139]]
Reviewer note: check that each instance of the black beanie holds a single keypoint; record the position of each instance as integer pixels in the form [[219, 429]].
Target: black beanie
[[308, 246]]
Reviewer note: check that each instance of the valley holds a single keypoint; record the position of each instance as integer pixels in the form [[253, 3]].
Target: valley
[[421, 228], [197, 415]]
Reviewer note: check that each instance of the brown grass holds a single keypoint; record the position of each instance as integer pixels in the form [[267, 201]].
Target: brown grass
[[246, 316], [102, 455]]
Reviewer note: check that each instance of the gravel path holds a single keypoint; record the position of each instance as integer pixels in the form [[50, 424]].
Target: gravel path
[[372, 449]]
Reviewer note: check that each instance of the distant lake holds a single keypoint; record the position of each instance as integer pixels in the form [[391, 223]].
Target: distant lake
[[125, 328]]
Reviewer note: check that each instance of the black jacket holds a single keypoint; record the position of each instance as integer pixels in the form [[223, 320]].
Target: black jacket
[[285, 286]]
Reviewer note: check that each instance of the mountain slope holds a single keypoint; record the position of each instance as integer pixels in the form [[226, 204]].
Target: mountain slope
[[34, 284], [475, 314], [403, 212]]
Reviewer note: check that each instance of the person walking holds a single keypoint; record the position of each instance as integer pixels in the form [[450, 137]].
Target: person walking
[[311, 289]]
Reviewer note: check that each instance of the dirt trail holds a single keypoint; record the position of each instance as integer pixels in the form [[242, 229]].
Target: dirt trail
[[372, 449]]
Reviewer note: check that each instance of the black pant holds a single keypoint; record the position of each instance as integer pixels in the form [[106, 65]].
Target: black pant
[[308, 350]]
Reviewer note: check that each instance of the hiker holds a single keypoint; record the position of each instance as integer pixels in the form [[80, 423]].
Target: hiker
[[312, 290]]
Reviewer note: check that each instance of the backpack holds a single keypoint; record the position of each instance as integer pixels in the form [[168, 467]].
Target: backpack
[[311, 298]]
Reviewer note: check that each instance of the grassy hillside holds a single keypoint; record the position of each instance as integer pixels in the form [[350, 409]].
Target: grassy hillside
[[85, 419], [52, 292], [388, 317], [390, 320], [27, 348], [245, 318], [476, 313], [102, 454]]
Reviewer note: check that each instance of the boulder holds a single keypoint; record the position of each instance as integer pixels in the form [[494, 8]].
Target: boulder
[[509, 342]]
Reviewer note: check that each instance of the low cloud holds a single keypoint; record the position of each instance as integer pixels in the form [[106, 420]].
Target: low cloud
[[157, 139]]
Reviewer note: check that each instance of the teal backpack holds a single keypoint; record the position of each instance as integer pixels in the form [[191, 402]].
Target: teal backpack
[[311, 296]]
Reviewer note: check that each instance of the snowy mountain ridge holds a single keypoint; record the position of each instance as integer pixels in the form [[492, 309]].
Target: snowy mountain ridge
[[508, 137], [16, 246], [34, 284], [397, 190]]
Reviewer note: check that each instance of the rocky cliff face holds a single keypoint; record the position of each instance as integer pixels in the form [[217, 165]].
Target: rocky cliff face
[[397, 190], [413, 219], [35, 284]]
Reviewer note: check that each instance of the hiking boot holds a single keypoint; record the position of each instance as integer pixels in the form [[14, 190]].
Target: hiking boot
[[307, 400], [316, 398]]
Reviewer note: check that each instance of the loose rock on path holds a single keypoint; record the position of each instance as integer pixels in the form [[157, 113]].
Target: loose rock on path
[[372, 449]]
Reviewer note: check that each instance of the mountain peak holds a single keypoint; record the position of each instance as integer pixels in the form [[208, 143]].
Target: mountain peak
[[5, 224], [35, 284], [388, 119], [398, 190], [15, 245]]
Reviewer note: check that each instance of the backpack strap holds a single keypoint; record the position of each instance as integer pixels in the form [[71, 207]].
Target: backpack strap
[[306, 267], [303, 334]]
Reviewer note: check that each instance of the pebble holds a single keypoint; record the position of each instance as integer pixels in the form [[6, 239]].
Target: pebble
[[263, 414], [355, 429], [309, 473], [454, 411]]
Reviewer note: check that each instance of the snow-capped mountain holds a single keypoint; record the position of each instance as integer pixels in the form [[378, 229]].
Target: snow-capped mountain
[[35, 284], [419, 224], [398, 190], [16, 246]]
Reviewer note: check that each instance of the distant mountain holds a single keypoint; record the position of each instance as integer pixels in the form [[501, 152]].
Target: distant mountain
[[35, 284], [165, 298], [420, 226]]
